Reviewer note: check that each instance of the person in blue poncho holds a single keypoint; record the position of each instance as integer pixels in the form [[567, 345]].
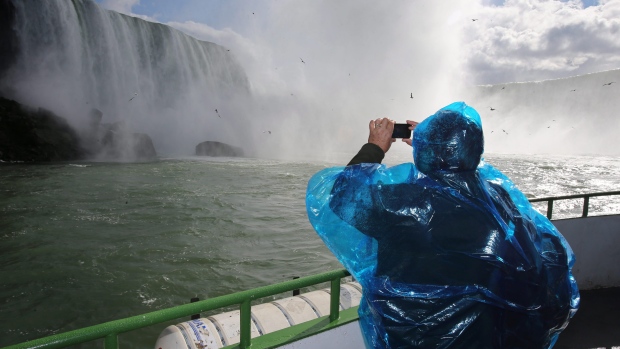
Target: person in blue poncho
[[450, 254]]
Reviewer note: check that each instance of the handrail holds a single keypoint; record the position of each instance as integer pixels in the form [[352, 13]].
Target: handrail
[[586, 200], [109, 331]]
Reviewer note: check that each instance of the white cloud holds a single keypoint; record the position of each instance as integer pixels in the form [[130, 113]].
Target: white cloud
[[121, 6], [527, 40]]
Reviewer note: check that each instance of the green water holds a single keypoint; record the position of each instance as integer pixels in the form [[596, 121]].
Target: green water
[[84, 243], [91, 242]]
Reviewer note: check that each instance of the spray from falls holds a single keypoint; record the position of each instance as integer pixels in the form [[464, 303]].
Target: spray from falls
[[576, 115]]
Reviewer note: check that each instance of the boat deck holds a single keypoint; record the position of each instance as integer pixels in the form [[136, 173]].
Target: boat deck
[[597, 322]]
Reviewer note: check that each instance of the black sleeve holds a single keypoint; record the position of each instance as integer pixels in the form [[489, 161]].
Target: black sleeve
[[370, 153]]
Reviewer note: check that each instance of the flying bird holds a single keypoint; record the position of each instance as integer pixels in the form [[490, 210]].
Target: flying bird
[[302, 61], [503, 87], [134, 96], [505, 131], [474, 19], [218, 114], [411, 95], [609, 83], [267, 131], [573, 90], [491, 108]]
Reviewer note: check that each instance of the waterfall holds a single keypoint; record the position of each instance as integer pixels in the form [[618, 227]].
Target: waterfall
[[73, 56]]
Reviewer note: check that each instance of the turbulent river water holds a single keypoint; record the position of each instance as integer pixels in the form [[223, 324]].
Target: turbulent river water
[[86, 242]]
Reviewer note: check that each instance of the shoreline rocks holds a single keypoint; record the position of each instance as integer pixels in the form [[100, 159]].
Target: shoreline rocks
[[36, 135], [210, 148]]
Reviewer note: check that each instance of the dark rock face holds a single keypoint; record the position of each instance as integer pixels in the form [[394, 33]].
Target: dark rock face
[[37, 135], [143, 146], [118, 144], [8, 38], [210, 148], [41, 136]]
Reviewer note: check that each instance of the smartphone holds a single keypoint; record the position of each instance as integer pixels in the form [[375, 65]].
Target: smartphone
[[401, 131]]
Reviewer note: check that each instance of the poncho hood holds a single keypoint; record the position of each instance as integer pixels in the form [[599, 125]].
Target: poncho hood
[[449, 141]]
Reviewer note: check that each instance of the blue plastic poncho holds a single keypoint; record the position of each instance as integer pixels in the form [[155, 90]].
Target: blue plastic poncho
[[449, 252]]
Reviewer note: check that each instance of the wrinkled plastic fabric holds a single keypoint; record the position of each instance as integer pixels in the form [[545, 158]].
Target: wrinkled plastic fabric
[[450, 254]]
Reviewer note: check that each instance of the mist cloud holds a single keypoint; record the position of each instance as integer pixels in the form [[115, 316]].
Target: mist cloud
[[333, 66], [362, 60]]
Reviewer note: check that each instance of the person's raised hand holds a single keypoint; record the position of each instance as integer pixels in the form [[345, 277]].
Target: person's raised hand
[[381, 133], [412, 126]]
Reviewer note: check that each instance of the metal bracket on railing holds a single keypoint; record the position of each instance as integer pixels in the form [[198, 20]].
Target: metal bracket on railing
[[586, 203], [334, 301], [246, 315], [549, 208]]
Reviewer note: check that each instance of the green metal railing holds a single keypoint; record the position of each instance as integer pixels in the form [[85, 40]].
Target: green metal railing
[[109, 331], [585, 197]]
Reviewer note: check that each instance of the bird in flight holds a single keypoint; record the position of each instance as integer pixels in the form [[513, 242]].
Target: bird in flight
[[503, 87], [491, 108], [474, 19], [573, 90], [267, 131], [302, 61], [218, 114], [505, 131], [609, 83], [134, 96], [411, 95]]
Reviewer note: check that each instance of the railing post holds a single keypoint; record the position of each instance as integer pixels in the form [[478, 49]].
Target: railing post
[[334, 300], [194, 316], [549, 208], [111, 341], [246, 316], [586, 203]]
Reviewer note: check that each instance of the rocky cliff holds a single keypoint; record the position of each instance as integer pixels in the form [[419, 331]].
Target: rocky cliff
[[36, 135], [210, 148]]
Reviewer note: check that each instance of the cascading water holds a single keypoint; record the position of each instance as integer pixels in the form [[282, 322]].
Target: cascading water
[[73, 56]]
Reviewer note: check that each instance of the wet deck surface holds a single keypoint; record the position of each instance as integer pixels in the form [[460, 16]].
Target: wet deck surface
[[597, 322]]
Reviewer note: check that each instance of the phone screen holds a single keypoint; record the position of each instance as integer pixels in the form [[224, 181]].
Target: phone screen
[[401, 131]]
